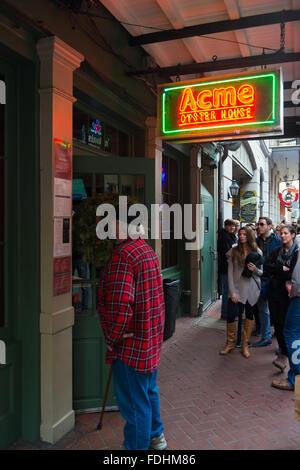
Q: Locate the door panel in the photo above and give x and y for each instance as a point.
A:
(10, 373)
(207, 252)
(131, 176)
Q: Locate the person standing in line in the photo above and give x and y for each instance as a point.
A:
(298, 235)
(237, 224)
(267, 242)
(278, 268)
(291, 332)
(225, 241)
(244, 287)
(131, 311)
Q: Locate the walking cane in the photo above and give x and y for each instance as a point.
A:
(105, 398)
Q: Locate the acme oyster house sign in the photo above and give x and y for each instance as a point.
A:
(231, 106)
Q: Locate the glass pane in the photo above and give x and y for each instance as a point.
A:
(133, 185)
(1, 286)
(111, 183)
(80, 123)
(110, 139)
(123, 144)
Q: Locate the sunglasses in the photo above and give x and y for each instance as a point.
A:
(261, 223)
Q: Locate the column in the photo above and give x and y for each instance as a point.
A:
(57, 63)
(195, 198)
(154, 149)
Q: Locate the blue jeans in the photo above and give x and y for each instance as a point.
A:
(138, 400)
(224, 305)
(292, 333)
(264, 318)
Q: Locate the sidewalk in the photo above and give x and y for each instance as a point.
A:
(208, 401)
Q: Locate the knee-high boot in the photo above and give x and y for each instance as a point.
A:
(248, 327)
(230, 339)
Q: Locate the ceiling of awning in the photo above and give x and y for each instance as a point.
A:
(142, 17)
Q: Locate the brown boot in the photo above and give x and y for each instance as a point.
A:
(248, 326)
(230, 339)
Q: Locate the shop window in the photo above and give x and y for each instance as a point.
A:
(80, 125)
(85, 276)
(170, 197)
(110, 139)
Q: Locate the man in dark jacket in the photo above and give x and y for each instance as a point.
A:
(267, 242)
(226, 240)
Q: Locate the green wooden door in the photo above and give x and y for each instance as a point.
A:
(131, 176)
(207, 252)
(10, 369)
(19, 252)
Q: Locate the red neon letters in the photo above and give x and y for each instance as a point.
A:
(220, 104)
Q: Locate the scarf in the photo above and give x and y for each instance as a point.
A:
(285, 257)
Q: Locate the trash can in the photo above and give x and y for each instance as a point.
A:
(171, 294)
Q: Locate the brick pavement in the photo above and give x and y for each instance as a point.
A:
(208, 401)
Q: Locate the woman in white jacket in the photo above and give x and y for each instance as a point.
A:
(244, 287)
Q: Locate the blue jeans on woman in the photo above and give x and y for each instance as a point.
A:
(138, 400)
(291, 334)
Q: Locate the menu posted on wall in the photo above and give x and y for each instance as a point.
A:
(61, 275)
(248, 204)
(62, 214)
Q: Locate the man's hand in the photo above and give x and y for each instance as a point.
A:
(125, 336)
(285, 268)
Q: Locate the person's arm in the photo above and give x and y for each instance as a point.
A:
(231, 287)
(118, 294)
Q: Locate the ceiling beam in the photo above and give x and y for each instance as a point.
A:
(253, 21)
(225, 64)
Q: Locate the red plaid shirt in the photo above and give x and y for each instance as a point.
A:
(131, 301)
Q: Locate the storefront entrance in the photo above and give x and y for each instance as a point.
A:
(93, 175)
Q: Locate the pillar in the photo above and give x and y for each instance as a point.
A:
(57, 63)
(195, 198)
(154, 149)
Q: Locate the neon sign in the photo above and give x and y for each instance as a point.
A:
(224, 106)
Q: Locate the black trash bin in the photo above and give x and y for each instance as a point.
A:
(171, 294)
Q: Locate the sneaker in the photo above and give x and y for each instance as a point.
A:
(158, 443)
(262, 343)
(282, 384)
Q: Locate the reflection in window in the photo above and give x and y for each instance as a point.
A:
(80, 125)
(85, 276)
(123, 144)
(95, 132)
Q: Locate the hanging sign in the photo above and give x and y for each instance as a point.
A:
(288, 196)
(228, 106)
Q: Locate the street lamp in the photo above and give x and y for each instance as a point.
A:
(234, 189)
(261, 203)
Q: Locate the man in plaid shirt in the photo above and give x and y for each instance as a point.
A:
(131, 310)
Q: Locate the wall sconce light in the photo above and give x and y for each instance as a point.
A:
(234, 189)
(261, 203)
